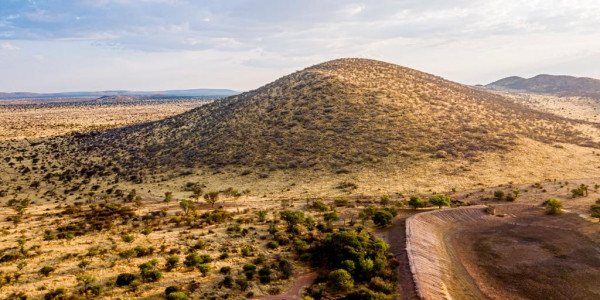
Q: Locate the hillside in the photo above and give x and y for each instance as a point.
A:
(564, 86)
(348, 125)
(339, 113)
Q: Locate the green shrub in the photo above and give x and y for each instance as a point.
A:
(499, 195)
(416, 201)
(204, 269)
(273, 245)
(383, 218)
(46, 270)
(125, 279)
(172, 262)
(440, 200)
(595, 210)
(553, 206)
(340, 280)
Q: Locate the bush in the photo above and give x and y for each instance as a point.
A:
(177, 296)
(204, 269)
(341, 201)
(416, 201)
(242, 283)
(172, 289)
(382, 218)
(273, 245)
(46, 270)
(319, 205)
(595, 210)
(340, 280)
(553, 206)
(385, 200)
(264, 275)
(440, 200)
(499, 195)
(125, 279)
(172, 262)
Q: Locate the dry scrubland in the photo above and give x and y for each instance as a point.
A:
(26, 119)
(578, 108)
(347, 132)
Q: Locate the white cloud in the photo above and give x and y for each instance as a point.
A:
(8, 46)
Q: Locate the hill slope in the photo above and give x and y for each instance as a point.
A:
(339, 113)
(375, 124)
(550, 84)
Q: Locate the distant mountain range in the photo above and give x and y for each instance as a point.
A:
(550, 84)
(169, 93)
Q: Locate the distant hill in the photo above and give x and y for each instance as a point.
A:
(171, 93)
(550, 84)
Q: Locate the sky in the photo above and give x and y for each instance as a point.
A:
(84, 45)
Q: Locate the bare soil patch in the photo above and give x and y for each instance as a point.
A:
(529, 255)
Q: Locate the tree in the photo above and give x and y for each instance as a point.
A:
(440, 200)
(197, 192)
(553, 206)
(292, 218)
(340, 280)
(382, 218)
(416, 201)
(211, 198)
(172, 262)
(186, 206)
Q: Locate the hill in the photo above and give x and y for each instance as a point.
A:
(332, 115)
(563, 86)
(341, 126)
(170, 93)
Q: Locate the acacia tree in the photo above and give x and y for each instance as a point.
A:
(197, 192)
(292, 218)
(416, 201)
(440, 200)
(186, 206)
(211, 198)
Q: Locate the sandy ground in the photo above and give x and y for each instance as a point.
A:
(525, 254)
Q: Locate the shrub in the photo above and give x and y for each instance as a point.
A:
(172, 262)
(225, 270)
(273, 245)
(227, 282)
(340, 280)
(382, 218)
(204, 269)
(440, 200)
(192, 260)
(177, 296)
(416, 201)
(46, 270)
(595, 210)
(292, 218)
(242, 283)
(499, 195)
(553, 206)
(341, 201)
(264, 275)
(125, 279)
(128, 238)
(385, 200)
(319, 205)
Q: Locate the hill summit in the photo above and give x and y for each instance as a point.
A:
(332, 115)
(551, 84)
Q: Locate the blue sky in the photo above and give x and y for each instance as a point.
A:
(59, 45)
